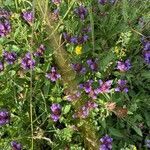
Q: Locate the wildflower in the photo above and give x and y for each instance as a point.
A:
(147, 142)
(104, 87)
(79, 68)
(67, 37)
(81, 11)
(78, 50)
(1, 66)
(40, 51)
(87, 86)
(10, 57)
(55, 14)
(122, 86)
(16, 146)
(56, 2)
(28, 16)
(5, 27)
(82, 39)
(124, 66)
(146, 50)
(53, 75)
(27, 62)
(4, 117)
(74, 40)
(56, 112)
(106, 143)
(92, 64)
(73, 97)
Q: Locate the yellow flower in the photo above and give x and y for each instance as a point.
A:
(78, 50)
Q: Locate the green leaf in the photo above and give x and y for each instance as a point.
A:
(137, 130)
(66, 109)
(116, 132)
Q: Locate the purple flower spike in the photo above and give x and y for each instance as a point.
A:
(40, 51)
(10, 57)
(104, 87)
(16, 146)
(4, 117)
(122, 86)
(87, 86)
(1, 66)
(4, 14)
(81, 11)
(92, 64)
(53, 75)
(27, 62)
(28, 16)
(79, 68)
(106, 143)
(123, 66)
(5, 27)
(56, 112)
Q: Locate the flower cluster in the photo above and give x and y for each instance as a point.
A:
(16, 146)
(104, 87)
(73, 96)
(75, 39)
(123, 66)
(146, 50)
(5, 27)
(92, 64)
(79, 68)
(106, 143)
(28, 16)
(27, 61)
(53, 75)
(9, 57)
(81, 11)
(85, 110)
(4, 117)
(122, 86)
(56, 112)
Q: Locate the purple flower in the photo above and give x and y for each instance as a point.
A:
(147, 143)
(123, 66)
(56, 2)
(92, 64)
(53, 75)
(82, 39)
(16, 146)
(79, 68)
(28, 16)
(81, 11)
(56, 112)
(104, 87)
(87, 86)
(122, 86)
(146, 50)
(27, 62)
(106, 143)
(4, 117)
(74, 40)
(40, 51)
(102, 1)
(10, 57)
(1, 66)
(67, 37)
(5, 27)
